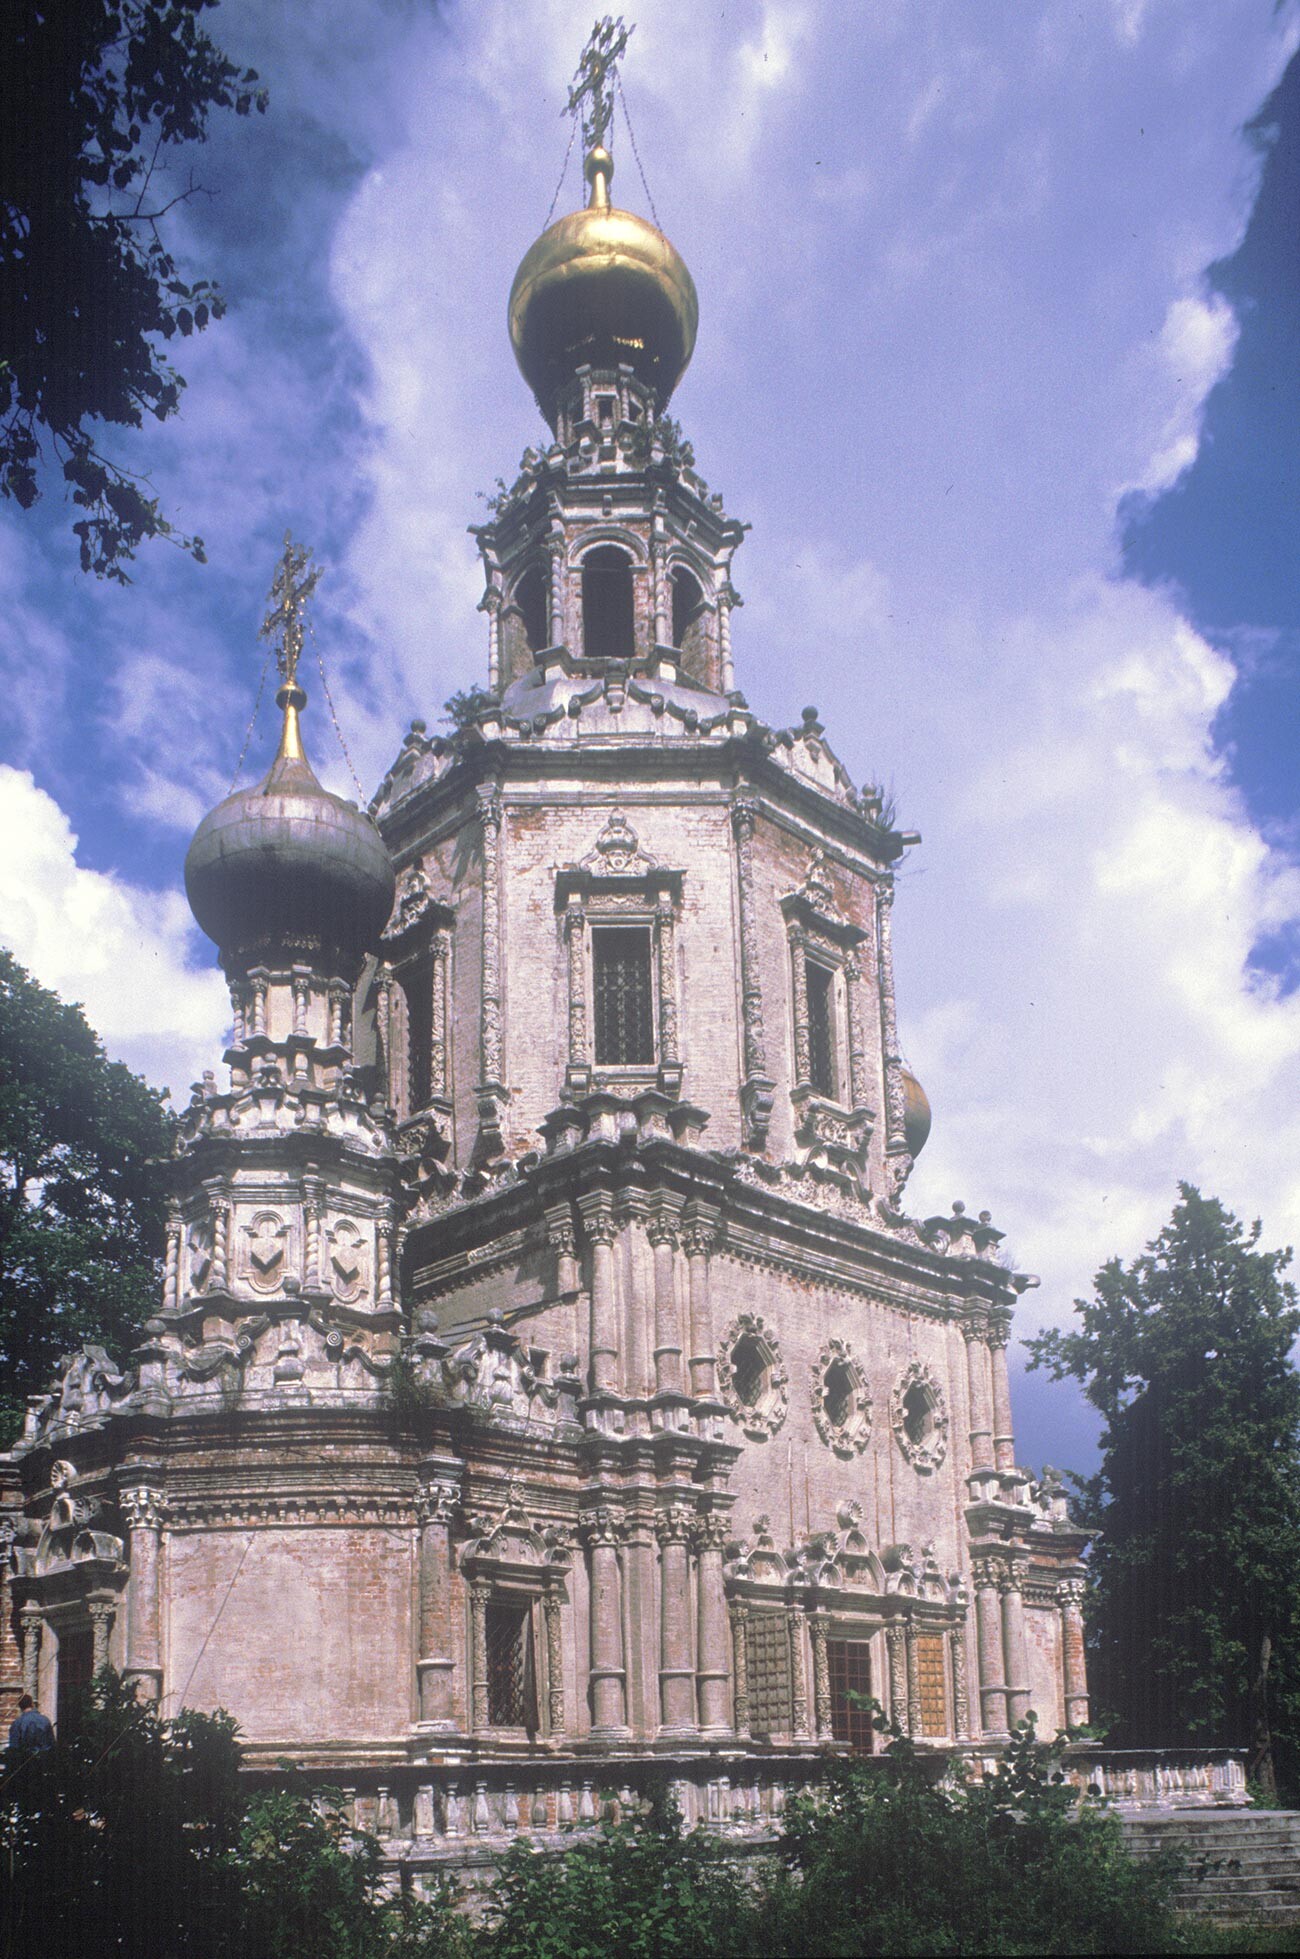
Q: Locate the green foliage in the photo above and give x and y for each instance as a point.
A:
(466, 705)
(666, 433)
(309, 1884)
(98, 91)
(81, 1207)
(890, 1858)
(120, 1839)
(1195, 1618)
(641, 1889)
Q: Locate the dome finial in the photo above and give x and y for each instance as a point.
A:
(295, 580)
(591, 93)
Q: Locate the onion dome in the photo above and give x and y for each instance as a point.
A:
(286, 873)
(916, 1114)
(602, 287)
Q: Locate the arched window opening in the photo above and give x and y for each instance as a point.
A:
(607, 613)
(688, 603)
(530, 597)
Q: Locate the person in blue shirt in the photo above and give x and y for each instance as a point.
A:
(32, 1732)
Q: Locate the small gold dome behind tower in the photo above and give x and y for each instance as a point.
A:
(602, 287)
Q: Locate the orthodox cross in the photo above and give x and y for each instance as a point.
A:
(295, 580)
(596, 76)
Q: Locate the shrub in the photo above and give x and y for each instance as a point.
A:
(889, 1858)
(641, 1889)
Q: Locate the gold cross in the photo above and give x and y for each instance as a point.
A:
(595, 78)
(295, 581)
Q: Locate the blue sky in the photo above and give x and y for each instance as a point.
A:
(998, 342)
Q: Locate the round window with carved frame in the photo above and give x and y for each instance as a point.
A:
(752, 1376)
(841, 1400)
(918, 1415)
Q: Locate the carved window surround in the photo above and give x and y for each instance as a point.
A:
(509, 1561)
(618, 883)
(837, 1127)
(413, 986)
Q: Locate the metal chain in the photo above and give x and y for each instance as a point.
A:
(573, 130)
(618, 83)
(329, 701)
(252, 719)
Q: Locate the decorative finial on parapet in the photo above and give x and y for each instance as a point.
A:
(295, 580)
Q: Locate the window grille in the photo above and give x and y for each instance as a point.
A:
(931, 1673)
(848, 1664)
(767, 1653)
(837, 1393)
(624, 996)
(821, 1031)
(748, 1370)
(417, 985)
(511, 1675)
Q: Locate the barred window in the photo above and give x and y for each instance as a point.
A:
(623, 988)
(511, 1672)
(767, 1654)
(848, 1663)
(417, 985)
(823, 1070)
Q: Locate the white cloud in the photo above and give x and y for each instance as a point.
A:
(122, 952)
(1193, 350)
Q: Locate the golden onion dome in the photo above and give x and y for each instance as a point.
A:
(602, 287)
(916, 1114)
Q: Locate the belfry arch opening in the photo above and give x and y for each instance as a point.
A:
(608, 628)
(689, 624)
(530, 597)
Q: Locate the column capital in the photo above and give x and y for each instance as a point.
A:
(600, 1527)
(662, 1225)
(435, 1502)
(143, 1507)
(674, 1523)
(598, 1220)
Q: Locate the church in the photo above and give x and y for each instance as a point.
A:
(549, 1388)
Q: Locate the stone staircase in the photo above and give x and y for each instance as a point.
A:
(1239, 1864)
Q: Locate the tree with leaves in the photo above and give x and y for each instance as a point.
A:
(81, 1201)
(1195, 1572)
(97, 93)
